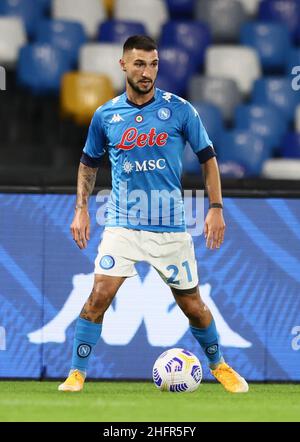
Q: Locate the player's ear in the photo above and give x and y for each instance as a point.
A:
(122, 64)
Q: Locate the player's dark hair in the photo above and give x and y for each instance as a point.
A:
(139, 42)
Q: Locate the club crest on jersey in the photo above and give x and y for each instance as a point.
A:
(132, 138)
(139, 118)
(164, 113)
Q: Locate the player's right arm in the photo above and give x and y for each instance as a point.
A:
(80, 226)
(93, 150)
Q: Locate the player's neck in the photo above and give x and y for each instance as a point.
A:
(137, 98)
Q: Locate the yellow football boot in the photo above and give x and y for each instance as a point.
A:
(230, 379)
(74, 382)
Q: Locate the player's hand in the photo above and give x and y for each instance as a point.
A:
(80, 227)
(214, 228)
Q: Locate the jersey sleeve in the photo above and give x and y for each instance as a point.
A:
(95, 143)
(195, 133)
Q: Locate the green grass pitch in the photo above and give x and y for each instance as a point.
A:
(33, 401)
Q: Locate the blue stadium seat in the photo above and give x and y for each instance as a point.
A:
(117, 31)
(40, 67)
(297, 119)
(177, 64)
(166, 83)
(292, 59)
(211, 117)
(231, 169)
(193, 36)
(290, 146)
(278, 92)
(285, 11)
(31, 11)
(298, 35)
(179, 9)
(62, 34)
(263, 120)
(271, 41)
(46, 4)
(245, 148)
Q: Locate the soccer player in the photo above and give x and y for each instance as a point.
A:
(145, 131)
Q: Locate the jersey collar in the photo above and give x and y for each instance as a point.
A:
(140, 106)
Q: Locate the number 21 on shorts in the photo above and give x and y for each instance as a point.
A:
(174, 269)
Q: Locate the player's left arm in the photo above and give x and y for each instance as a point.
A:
(214, 225)
(195, 133)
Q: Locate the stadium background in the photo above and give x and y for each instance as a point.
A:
(236, 61)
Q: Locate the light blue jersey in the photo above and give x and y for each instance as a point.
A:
(145, 146)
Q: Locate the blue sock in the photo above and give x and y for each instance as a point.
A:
(208, 338)
(86, 337)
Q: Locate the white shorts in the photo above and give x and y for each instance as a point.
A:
(170, 253)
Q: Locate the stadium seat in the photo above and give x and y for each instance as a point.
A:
(297, 35)
(244, 148)
(250, 6)
(292, 59)
(40, 67)
(231, 169)
(263, 120)
(103, 58)
(212, 120)
(90, 13)
(30, 11)
(222, 92)
(238, 63)
(278, 92)
(66, 35)
(281, 169)
(224, 17)
(166, 83)
(152, 13)
(12, 37)
(177, 63)
(46, 5)
(193, 36)
(297, 118)
(181, 9)
(285, 11)
(117, 31)
(270, 40)
(82, 93)
(290, 146)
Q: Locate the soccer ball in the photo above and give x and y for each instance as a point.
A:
(177, 370)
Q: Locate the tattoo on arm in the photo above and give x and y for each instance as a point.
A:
(85, 184)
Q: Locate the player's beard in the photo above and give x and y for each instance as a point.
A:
(135, 87)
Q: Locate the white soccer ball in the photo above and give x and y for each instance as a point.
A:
(177, 370)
